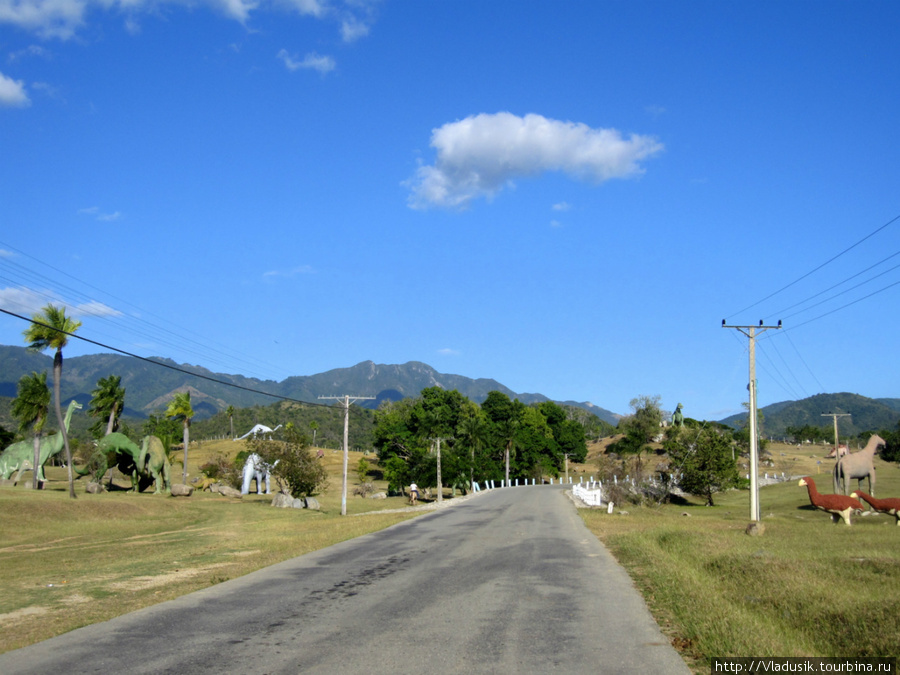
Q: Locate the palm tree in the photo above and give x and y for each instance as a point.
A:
(230, 412)
(107, 400)
(31, 407)
(509, 429)
(473, 433)
(52, 329)
(180, 408)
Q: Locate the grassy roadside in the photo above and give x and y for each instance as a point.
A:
(804, 588)
(68, 563)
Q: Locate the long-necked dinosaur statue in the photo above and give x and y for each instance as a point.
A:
(153, 460)
(20, 456)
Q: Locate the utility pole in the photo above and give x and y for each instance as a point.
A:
(750, 332)
(440, 484)
(837, 452)
(346, 401)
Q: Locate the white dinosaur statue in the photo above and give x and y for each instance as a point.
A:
(257, 430)
(255, 467)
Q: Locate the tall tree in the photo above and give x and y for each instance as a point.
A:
(107, 401)
(230, 412)
(180, 408)
(30, 408)
(51, 329)
(472, 433)
(705, 459)
(640, 428)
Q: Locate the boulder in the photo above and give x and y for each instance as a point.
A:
(755, 529)
(94, 488)
(378, 495)
(229, 491)
(182, 490)
(312, 503)
(282, 501)
(298, 504)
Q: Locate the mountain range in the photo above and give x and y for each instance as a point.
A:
(150, 384)
(865, 414)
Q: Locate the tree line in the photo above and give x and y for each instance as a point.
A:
(442, 431)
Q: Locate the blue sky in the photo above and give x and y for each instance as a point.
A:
(567, 197)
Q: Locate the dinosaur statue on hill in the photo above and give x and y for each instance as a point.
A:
(153, 460)
(115, 450)
(144, 464)
(20, 456)
(858, 465)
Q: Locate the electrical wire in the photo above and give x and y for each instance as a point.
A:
(199, 346)
(166, 365)
(816, 269)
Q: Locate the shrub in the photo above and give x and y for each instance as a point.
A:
(220, 469)
(297, 467)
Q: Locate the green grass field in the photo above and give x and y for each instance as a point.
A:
(68, 563)
(806, 587)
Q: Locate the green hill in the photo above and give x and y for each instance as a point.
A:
(866, 414)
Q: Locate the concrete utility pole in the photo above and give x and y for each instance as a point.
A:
(837, 453)
(750, 332)
(346, 401)
(440, 485)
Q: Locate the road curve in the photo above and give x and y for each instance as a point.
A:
(508, 581)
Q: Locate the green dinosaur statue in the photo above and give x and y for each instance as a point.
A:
(117, 450)
(20, 456)
(153, 459)
(143, 465)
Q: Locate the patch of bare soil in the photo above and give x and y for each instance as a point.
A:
(143, 583)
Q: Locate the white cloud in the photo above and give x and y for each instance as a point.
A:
(478, 156)
(94, 308)
(12, 93)
(311, 61)
(448, 352)
(62, 19)
(30, 51)
(352, 29)
(6, 254)
(285, 274)
(555, 223)
(561, 206)
(47, 18)
(99, 215)
(308, 7)
(28, 302)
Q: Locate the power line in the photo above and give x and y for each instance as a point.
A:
(166, 365)
(827, 262)
(840, 283)
(190, 342)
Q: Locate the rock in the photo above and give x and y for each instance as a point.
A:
(6, 482)
(378, 495)
(94, 488)
(282, 501)
(298, 504)
(229, 491)
(182, 490)
(312, 503)
(755, 529)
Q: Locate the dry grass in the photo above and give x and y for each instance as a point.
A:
(804, 588)
(68, 563)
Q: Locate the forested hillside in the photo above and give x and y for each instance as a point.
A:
(866, 414)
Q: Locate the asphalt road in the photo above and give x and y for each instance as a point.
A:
(508, 581)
